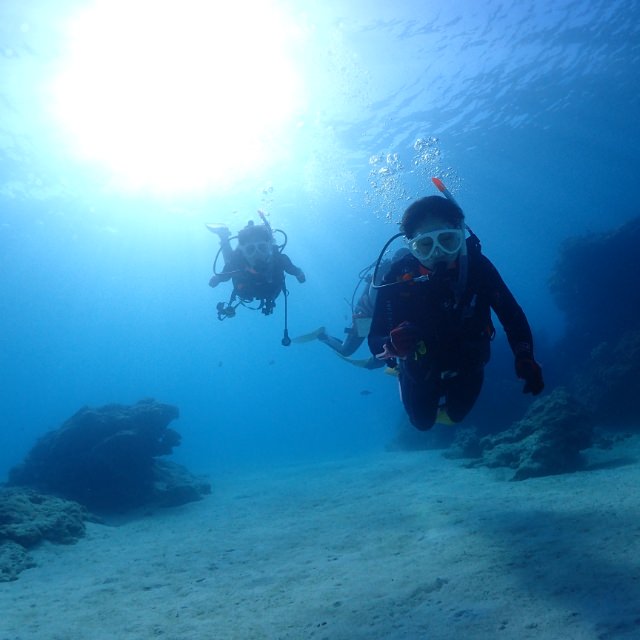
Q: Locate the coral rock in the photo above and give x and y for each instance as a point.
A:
(105, 458)
(547, 441)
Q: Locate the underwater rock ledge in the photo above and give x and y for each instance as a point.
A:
(547, 441)
(105, 458)
(27, 518)
(101, 460)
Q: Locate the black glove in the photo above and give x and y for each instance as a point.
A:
(530, 371)
(404, 339)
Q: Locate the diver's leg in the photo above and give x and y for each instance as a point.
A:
(461, 393)
(374, 363)
(223, 233)
(346, 348)
(330, 341)
(420, 399)
(351, 343)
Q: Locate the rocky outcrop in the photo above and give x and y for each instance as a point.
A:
(609, 382)
(594, 284)
(26, 519)
(597, 362)
(547, 441)
(106, 459)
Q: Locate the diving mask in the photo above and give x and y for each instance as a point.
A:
(425, 245)
(253, 250)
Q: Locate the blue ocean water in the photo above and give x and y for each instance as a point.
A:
(528, 110)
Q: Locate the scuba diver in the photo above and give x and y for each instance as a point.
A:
(256, 267)
(432, 317)
(361, 313)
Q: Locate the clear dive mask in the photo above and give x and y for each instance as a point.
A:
(257, 250)
(441, 242)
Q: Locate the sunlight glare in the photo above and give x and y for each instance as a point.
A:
(173, 96)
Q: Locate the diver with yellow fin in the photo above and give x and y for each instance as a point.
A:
(256, 267)
(432, 317)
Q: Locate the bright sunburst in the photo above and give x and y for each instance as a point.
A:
(177, 96)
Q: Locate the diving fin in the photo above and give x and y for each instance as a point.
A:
(363, 363)
(218, 228)
(309, 337)
(442, 417)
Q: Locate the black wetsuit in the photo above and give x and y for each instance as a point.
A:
(454, 332)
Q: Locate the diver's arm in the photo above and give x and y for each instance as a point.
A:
(509, 312)
(291, 268)
(518, 333)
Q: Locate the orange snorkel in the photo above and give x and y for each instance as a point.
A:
(447, 194)
(443, 190)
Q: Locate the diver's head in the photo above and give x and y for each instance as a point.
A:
(256, 244)
(434, 229)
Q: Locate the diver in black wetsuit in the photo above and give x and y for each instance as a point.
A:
(432, 317)
(257, 267)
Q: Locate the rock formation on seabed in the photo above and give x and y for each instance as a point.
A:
(547, 441)
(26, 519)
(106, 459)
(101, 460)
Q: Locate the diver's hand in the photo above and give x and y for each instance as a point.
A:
(404, 339)
(530, 371)
(388, 353)
(301, 277)
(214, 281)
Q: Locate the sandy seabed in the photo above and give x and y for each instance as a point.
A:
(396, 545)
